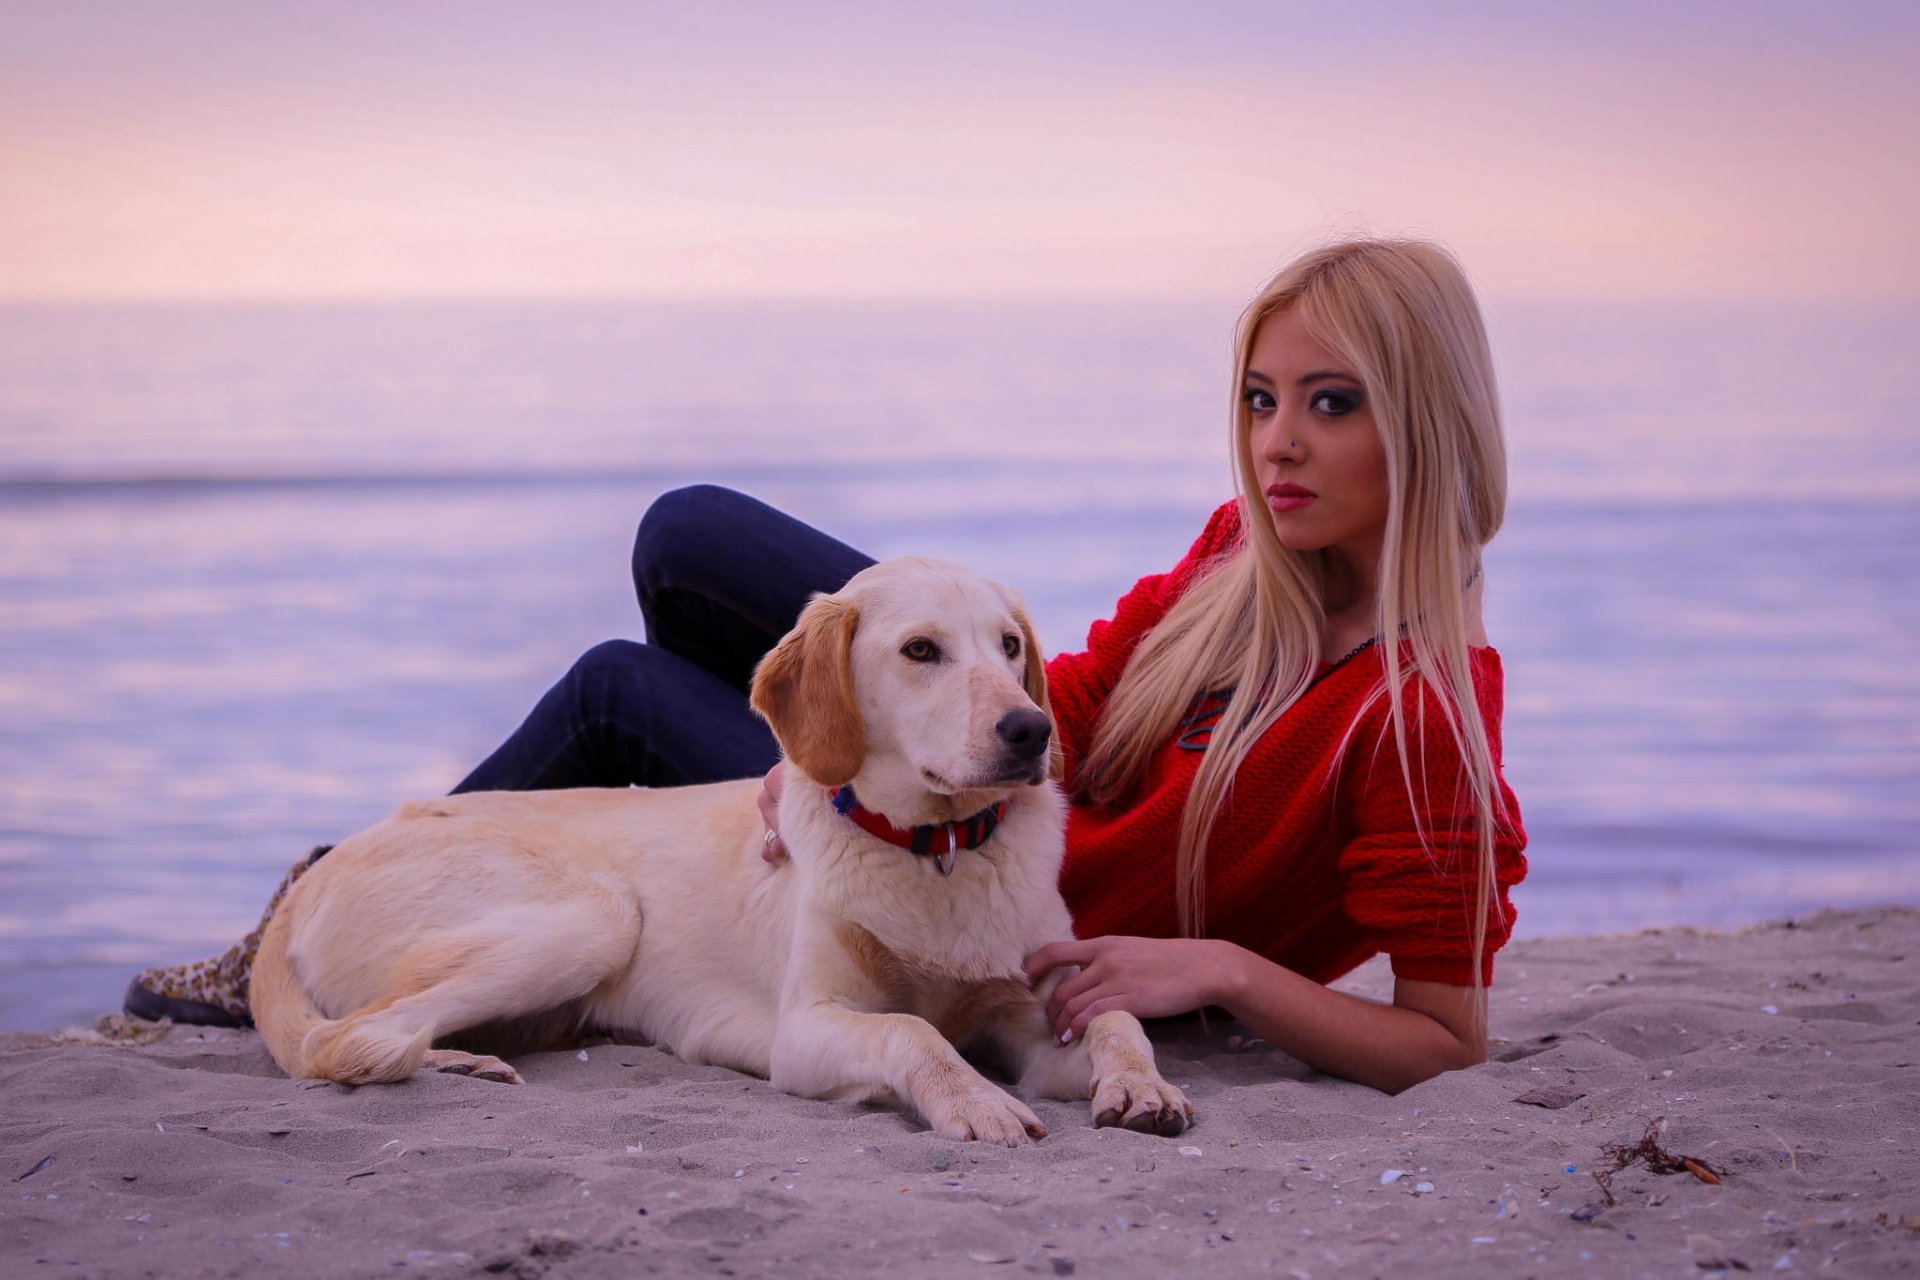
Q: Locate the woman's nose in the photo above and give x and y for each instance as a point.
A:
(1278, 442)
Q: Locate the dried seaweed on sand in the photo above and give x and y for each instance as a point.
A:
(1649, 1152)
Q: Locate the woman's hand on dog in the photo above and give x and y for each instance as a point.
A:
(1147, 977)
(771, 848)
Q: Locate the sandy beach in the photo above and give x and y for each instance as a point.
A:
(1782, 1060)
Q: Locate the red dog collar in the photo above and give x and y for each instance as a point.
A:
(937, 840)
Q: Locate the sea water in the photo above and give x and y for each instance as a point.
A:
(267, 570)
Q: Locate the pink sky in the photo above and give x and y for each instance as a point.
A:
(435, 150)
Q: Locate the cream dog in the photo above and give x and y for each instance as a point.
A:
(521, 919)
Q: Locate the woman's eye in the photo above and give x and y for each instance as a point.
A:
(1011, 643)
(919, 651)
(1334, 404)
(1259, 401)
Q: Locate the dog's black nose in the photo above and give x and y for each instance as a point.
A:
(1025, 732)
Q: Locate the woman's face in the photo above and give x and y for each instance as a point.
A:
(1316, 451)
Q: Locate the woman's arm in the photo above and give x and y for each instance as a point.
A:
(772, 849)
(1429, 1028)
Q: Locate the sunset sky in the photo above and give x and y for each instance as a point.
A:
(427, 150)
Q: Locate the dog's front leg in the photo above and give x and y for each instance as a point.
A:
(1127, 1087)
(824, 1049)
(1112, 1064)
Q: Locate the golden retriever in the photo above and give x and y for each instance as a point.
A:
(859, 970)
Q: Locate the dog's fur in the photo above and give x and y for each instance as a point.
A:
(520, 919)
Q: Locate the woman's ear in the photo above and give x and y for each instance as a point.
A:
(1036, 685)
(804, 691)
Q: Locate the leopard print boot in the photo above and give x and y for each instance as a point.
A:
(211, 992)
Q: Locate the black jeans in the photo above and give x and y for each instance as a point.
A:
(720, 577)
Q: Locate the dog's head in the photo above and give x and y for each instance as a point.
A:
(915, 669)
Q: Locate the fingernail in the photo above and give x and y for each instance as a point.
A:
(1066, 1037)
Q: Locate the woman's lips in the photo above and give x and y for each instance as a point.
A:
(1288, 497)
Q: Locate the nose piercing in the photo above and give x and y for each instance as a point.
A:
(1293, 444)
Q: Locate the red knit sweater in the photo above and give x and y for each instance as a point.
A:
(1316, 863)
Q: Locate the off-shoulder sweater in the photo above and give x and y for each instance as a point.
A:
(1318, 861)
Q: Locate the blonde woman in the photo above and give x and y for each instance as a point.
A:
(1284, 754)
(1289, 747)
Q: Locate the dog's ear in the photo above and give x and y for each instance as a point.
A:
(1036, 685)
(804, 691)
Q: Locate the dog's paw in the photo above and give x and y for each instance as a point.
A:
(988, 1114)
(1143, 1102)
(453, 1062)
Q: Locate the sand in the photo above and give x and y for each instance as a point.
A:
(1783, 1057)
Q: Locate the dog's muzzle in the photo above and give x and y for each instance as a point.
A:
(1025, 733)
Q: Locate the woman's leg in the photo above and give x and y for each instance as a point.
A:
(720, 578)
(630, 714)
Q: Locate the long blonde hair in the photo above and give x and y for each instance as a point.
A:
(1402, 316)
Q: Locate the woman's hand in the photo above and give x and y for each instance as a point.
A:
(1430, 1027)
(1147, 977)
(771, 849)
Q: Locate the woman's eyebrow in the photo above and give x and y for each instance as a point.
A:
(1305, 379)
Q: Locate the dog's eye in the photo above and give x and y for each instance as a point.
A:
(1011, 643)
(919, 651)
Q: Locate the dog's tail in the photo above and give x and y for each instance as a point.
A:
(361, 1048)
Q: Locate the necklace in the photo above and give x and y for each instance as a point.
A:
(1355, 652)
(1375, 640)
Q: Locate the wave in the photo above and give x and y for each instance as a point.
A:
(991, 482)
